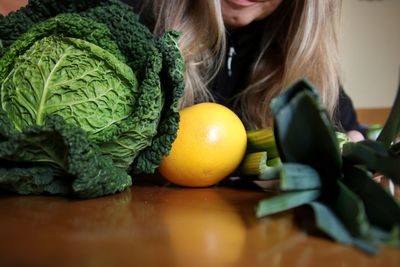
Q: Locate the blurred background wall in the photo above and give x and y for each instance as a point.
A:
(370, 53)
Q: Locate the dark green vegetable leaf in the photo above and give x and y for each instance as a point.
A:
(34, 181)
(50, 159)
(374, 198)
(373, 155)
(137, 112)
(350, 210)
(303, 131)
(391, 129)
(161, 81)
(171, 77)
(285, 201)
(327, 221)
(348, 206)
(395, 149)
(15, 24)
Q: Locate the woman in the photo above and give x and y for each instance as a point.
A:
(242, 53)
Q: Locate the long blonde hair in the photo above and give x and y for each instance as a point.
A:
(299, 41)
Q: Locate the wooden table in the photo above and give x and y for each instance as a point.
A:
(162, 225)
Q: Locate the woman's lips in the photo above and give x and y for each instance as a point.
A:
(242, 3)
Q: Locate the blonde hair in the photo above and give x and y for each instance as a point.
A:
(299, 41)
(202, 41)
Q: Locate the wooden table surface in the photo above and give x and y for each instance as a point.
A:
(162, 225)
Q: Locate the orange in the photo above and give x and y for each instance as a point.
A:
(210, 144)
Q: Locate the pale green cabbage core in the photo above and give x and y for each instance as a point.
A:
(75, 79)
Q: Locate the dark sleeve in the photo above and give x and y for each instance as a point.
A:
(345, 117)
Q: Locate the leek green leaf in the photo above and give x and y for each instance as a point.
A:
(333, 180)
(374, 156)
(298, 177)
(374, 198)
(285, 201)
(391, 129)
(327, 221)
(395, 149)
(350, 210)
(303, 131)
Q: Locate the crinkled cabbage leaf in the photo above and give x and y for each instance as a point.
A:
(88, 95)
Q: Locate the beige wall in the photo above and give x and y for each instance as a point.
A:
(370, 51)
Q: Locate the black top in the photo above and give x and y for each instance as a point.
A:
(242, 49)
(243, 46)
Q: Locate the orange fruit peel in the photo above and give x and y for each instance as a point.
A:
(210, 144)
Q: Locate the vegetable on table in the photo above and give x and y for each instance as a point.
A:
(331, 177)
(88, 97)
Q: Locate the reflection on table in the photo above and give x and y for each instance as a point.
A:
(163, 225)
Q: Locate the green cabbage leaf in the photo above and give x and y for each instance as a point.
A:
(88, 97)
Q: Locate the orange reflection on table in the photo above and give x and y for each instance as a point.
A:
(202, 227)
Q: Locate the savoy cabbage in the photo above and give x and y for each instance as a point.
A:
(87, 96)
